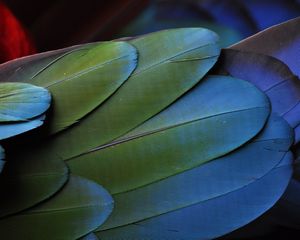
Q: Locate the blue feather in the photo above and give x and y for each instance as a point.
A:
(12, 129)
(214, 179)
(212, 218)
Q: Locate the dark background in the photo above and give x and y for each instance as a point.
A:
(60, 23)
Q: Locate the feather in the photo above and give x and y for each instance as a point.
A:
(152, 70)
(21, 102)
(210, 219)
(21, 106)
(165, 72)
(268, 74)
(27, 181)
(285, 48)
(96, 71)
(23, 69)
(78, 209)
(172, 146)
(218, 177)
(11, 129)
(173, 141)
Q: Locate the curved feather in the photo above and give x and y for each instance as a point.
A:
(11, 129)
(187, 134)
(21, 101)
(79, 208)
(218, 177)
(27, 181)
(212, 218)
(270, 75)
(25, 68)
(165, 71)
(285, 48)
(93, 72)
(20, 107)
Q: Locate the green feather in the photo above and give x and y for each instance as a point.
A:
(190, 132)
(221, 176)
(75, 211)
(165, 71)
(91, 73)
(27, 181)
(23, 69)
(94, 71)
(128, 126)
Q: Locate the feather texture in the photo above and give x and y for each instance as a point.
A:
(72, 213)
(199, 221)
(285, 48)
(21, 102)
(268, 74)
(94, 71)
(158, 81)
(218, 177)
(27, 181)
(173, 145)
(20, 107)
(173, 141)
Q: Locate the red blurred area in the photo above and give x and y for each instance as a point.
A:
(14, 41)
(62, 23)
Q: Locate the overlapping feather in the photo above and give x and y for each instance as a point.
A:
(172, 147)
(21, 109)
(286, 93)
